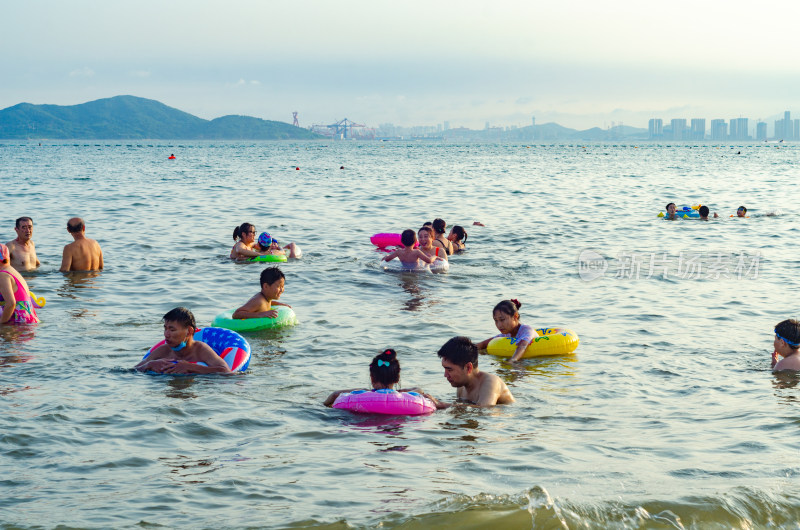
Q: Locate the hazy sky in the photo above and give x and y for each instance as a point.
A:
(577, 62)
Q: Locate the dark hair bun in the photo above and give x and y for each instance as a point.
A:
(389, 354)
(516, 302)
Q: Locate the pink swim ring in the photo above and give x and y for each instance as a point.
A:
(385, 401)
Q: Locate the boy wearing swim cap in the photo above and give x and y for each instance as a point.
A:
(270, 245)
(787, 345)
(260, 305)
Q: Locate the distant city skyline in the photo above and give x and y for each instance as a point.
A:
(580, 63)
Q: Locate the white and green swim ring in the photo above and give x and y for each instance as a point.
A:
(285, 318)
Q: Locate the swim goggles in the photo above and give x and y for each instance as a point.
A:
(787, 341)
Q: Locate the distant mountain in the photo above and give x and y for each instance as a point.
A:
(554, 131)
(129, 117)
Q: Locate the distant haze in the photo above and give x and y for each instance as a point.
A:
(579, 63)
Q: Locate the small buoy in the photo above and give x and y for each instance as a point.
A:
(297, 169)
(341, 167)
(171, 157)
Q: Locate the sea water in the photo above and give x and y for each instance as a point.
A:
(666, 416)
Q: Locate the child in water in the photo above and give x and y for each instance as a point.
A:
(269, 245)
(384, 374)
(787, 345)
(458, 237)
(260, 305)
(408, 256)
(506, 318)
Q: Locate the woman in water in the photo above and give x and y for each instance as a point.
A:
(506, 318)
(269, 245)
(425, 235)
(458, 237)
(440, 240)
(408, 256)
(384, 374)
(18, 306)
(244, 247)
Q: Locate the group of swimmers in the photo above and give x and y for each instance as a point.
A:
(704, 211)
(429, 244)
(19, 254)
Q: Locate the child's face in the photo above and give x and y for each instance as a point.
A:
(505, 323)
(273, 291)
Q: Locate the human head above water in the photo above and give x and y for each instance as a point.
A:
(180, 315)
(439, 225)
(509, 307)
(741, 211)
(461, 234)
(408, 238)
(19, 221)
(271, 275)
(75, 225)
(385, 369)
(459, 351)
(789, 332)
(673, 206)
(241, 230)
(704, 211)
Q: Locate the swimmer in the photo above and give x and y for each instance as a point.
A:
(425, 235)
(741, 212)
(460, 362)
(477, 223)
(260, 305)
(384, 373)
(458, 237)
(269, 245)
(181, 352)
(786, 345)
(23, 250)
(438, 228)
(408, 256)
(671, 211)
(83, 254)
(243, 249)
(18, 307)
(703, 211)
(506, 318)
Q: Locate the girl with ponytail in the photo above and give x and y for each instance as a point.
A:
(506, 318)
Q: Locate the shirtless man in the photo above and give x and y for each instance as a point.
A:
(180, 352)
(23, 251)
(460, 362)
(83, 254)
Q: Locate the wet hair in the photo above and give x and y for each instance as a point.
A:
(408, 237)
(439, 225)
(18, 221)
(459, 351)
(509, 307)
(789, 330)
(182, 316)
(668, 205)
(427, 223)
(271, 275)
(460, 233)
(426, 229)
(743, 209)
(704, 211)
(73, 229)
(242, 229)
(385, 375)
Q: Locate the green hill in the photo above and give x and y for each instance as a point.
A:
(129, 117)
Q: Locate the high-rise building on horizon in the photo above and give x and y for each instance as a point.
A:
(761, 131)
(719, 130)
(655, 128)
(698, 130)
(678, 128)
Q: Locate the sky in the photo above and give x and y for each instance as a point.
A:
(578, 63)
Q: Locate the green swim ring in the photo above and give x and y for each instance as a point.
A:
(285, 318)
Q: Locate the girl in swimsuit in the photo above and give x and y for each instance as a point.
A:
(18, 307)
(458, 237)
(425, 235)
(506, 318)
(444, 243)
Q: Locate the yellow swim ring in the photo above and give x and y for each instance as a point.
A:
(38, 301)
(551, 341)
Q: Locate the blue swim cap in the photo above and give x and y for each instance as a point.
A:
(264, 240)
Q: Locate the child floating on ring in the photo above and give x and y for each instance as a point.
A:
(787, 345)
(408, 256)
(506, 318)
(269, 245)
(260, 305)
(384, 374)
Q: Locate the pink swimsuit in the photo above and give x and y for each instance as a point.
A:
(24, 313)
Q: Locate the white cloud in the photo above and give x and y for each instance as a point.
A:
(82, 72)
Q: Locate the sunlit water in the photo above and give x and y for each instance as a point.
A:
(667, 416)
